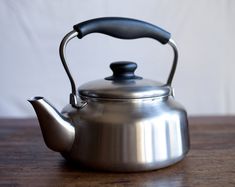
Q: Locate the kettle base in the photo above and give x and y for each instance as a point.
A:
(124, 167)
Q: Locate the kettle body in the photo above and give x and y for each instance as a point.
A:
(121, 123)
(129, 136)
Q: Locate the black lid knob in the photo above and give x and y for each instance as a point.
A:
(123, 71)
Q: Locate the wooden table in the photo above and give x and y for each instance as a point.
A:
(26, 161)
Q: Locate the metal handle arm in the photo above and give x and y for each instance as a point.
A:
(73, 96)
(74, 101)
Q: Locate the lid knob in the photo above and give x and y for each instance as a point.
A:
(123, 71)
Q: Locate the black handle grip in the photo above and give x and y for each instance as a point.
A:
(123, 28)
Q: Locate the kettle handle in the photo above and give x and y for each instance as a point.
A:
(123, 28)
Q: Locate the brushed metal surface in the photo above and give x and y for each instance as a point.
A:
(132, 89)
(57, 131)
(133, 135)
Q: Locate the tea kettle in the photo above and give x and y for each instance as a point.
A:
(123, 122)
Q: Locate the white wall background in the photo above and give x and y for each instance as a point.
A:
(31, 31)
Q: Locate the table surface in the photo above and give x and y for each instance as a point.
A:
(26, 161)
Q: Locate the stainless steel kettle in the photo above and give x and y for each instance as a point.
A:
(122, 122)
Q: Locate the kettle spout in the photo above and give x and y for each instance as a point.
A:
(58, 133)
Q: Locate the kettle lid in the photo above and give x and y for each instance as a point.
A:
(124, 84)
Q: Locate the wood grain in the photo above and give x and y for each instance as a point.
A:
(26, 161)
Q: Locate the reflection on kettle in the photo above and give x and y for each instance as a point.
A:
(122, 122)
